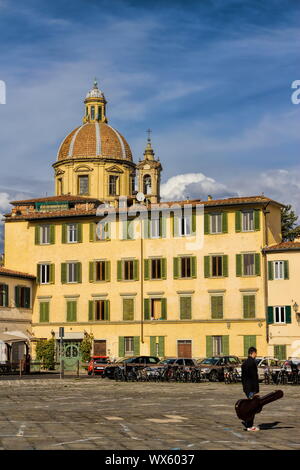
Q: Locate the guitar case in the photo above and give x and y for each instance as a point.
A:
(248, 407)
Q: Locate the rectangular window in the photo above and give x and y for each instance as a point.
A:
(280, 352)
(100, 271)
(71, 310)
(45, 234)
(156, 268)
(185, 308)
(248, 221)
(3, 295)
(45, 273)
(156, 311)
(83, 184)
(217, 266)
(128, 309)
(186, 266)
(44, 312)
(129, 345)
(185, 225)
(249, 306)
(216, 223)
(154, 228)
(100, 310)
(102, 230)
(60, 186)
(72, 231)
(71, 272)
(113, 189)
(279, 315)
(128, 270)
(249, 264)
(216, 306)
(278, 267)
(217, 345)
(22, 297)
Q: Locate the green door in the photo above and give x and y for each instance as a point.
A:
(71, 354)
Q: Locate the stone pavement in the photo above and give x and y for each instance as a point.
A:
(96, 413)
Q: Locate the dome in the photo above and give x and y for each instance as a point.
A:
(94, 139)
(94, 92)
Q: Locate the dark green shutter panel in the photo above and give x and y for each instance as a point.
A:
(185, 308)
(42, 312)
(163, 309)
(163, 268)
(119, 270)
(91, 310)
(92, 231)
(46, 311)
(79, 233)
(225, 345)
(106, 310)
(147, 309)
(52, 234)
(107, 270)
(194, 222)
(146, 269)
(280, 351)
(52, 273)
(176, 268)
(286, 270)
(17, 296)
(249, 341)
(224, 222)
(37, 234)
(225, 265)
(121, 346)
(38, 272)
(270, 270)
(256, 219)
(206, 224)
(27, 297)
(64, 233)
(136, 345)
(209, 346)
(74, 309)
(194, 266)
(136, 270)
(217, 306)
(270, 315)
(163, 223)
(91, 271)
(152, 345)
(238, 265)
(257, 264)
(78, 272)
(249, 306)
(161, 346)
(63, 273)
(206, 266)
(238, 221)
(69, 311)
(6, 297)
(288, 314)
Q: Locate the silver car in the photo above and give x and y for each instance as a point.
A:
(263, 363)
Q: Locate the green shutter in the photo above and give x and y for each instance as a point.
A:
(225, 265)
(238, 221)
(280, 351)
(194, 222)
(163, 223)
(78, 273)
(107, 270)
(286, 270)
(209, 346)
(216, 306)
(175, 268)
(52, 273)
(106, 310)
(121, 346)
(249, 341)
(225, 345)
(288, 314)
(38, 273)
(69, 311)
(79, 233)
(92, 231)
(163, 268)
(44, 312)
(194, 266)
(5, 295)
(163, 309)
(256, 219)
(136, 270)
(152, 345)
(26, 297)
(206, 224)
(147, 309)
(17, 296)
(136, 345)
(238, 265)
(249, 306)
(63, 273)
(185, 308)
(91, 310)
(91, 271)
(64, 233)
(257, 264)
(146, 269)
(37, 234)
(206, 266)
(52, 234)
(119, 270)
(270, 315)
(161, 346)
(224, 222)
(128, 305)
(270, 270)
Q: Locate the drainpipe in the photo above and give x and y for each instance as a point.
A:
(265, 267)
(142, 282)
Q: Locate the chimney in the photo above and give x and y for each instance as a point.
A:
(209, 197)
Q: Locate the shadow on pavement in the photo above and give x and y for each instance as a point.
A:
(266, 426)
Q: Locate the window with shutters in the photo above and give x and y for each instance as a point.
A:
(185, 308)
(72, 233)
(102, 230)
(156, 268)
(216, 223)
(129, 345)
(280, 352)
(128, 309)
(185, 265)
(100, 273)
(44, 312)
(279, 314)
(185, 225)
(128, 270)
(248, 221)
(278, 269)
(100, 310)
(45, 234)
(249, 306)
(216, 302)
(113, 185)
(217, 345)
(72, 272)
(45, 273)
(155, 227)
(249, 264)
(22, 296)
(83, 184)
(71, 310)
(156, 310)
(4, 295)
(217, 266)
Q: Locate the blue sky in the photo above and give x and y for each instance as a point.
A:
(211, 78)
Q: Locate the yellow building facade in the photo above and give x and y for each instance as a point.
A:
(185, 278)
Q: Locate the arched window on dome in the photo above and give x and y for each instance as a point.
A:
(92, 112)
(147, 185)
(99, 117)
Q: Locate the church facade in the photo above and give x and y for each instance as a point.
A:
(143, 276)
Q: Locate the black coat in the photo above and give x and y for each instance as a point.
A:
(250, 376)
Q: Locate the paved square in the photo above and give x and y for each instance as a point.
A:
(95, 413)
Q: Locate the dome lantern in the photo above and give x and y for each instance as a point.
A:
(95, 105)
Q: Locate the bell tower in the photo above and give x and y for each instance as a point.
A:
(149, 170)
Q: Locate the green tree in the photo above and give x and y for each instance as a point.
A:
(290, 229)
(86, 347)
(45, 352)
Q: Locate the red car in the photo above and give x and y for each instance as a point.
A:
(98, 364)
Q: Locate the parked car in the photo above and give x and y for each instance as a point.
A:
(179, 361)
(98, 364)
(140, 361)
(291, 365)
(264, 363)
(213, 367)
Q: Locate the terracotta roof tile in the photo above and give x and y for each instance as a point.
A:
(283, 246)
(11, 273)
(66, 198)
